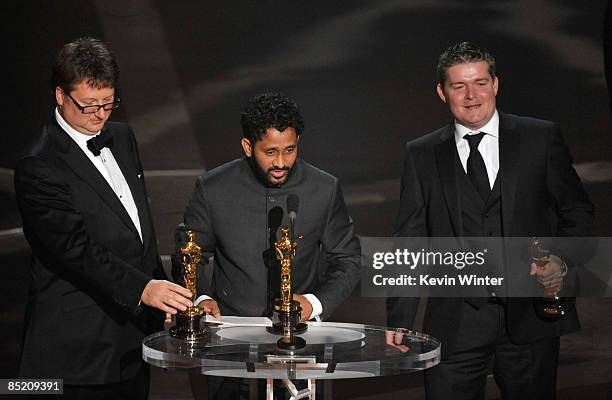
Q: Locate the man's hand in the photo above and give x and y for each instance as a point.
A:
(305, 304)
(395, 339)
(210, 307)
(549, 275)
(166, 296)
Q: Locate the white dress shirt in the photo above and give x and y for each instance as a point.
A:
(488, 146)
(106, 164)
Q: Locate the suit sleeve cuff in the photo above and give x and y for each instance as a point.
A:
(201, 299)
(317, 307)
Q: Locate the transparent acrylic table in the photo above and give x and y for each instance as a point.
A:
(333, 351)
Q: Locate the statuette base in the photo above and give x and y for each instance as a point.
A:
(189, 326)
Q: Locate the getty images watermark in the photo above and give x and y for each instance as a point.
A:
(480, 267)
(426, 258)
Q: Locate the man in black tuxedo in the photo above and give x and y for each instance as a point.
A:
(489, 174)
(97, 283)
(237, 210)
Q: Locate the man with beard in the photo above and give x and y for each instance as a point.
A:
(237, 208)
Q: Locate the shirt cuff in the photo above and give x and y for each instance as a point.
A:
(201, 299)
(317, 307)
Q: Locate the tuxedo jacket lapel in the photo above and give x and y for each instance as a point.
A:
(509, 160)
(135, 179)
(83, 167)
(446, 160)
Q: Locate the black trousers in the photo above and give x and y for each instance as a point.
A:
(522, 372)
(220, 388)
(136, 388)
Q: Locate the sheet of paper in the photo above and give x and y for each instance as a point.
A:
(232, 320)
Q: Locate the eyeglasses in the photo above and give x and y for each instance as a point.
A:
(94, 109)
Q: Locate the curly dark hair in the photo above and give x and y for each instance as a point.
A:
(461, 53)
(84, 59)
(270, 110)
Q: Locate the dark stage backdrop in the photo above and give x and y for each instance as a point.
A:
(363, 73)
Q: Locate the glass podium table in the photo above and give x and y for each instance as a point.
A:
(333, 351)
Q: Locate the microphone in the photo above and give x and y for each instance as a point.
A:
(292, 208)
(293, 203)
(275, 218)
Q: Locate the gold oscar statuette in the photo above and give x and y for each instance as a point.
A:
(286, 317)
(550, 306)
(188, 323)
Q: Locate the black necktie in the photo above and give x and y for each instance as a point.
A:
(104, 139)
(476, 170)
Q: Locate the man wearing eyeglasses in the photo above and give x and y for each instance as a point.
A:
(97, 283)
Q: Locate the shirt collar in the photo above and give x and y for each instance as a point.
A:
(80, 138)
(491, 128)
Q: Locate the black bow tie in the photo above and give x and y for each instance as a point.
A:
(104, 139)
